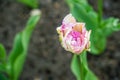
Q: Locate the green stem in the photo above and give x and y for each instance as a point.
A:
(100, 8)
(81, 67)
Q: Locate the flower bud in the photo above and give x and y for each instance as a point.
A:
(73, 35)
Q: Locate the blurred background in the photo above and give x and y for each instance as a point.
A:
(46, 59)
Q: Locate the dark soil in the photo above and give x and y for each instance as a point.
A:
(46, 59)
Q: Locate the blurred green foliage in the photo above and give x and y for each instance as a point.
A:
(79, 67)
(13, 64)
(101, 28)
(30, 3)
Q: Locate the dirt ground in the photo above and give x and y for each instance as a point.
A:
(46, 59)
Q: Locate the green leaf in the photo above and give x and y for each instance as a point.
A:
(98, 42)
(83, 57)
(100, 10)
(3, 77)
(80, 68)
(30, 3)
(84, 65)
(110, 25)
(76, 1)
(18, 65)
(29, 29)
(84, 12)
(75, 67)
(2, 68)
(90, 76)
(98, 39)
(17, 48)
(2, 53)
(18, 54)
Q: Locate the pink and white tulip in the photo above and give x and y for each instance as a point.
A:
(73, 35)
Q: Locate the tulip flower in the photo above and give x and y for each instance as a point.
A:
(73, 35)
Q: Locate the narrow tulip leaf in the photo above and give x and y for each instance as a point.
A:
(84, 12)
(98, 39)
(2, 53)
(90, 76)
(30, 3)
(83, 57)
(98, 42)
(80, 68)
(110, 25)
(100, 10)
(75, 67)
(18, 65)
(17, 48)
(84, 65)
(29, 29)
(18, 54)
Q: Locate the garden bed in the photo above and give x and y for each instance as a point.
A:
(46, 59)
